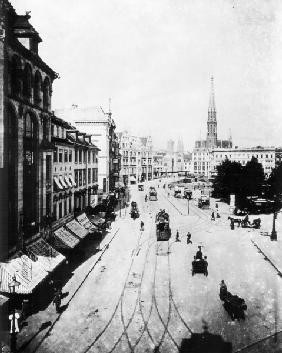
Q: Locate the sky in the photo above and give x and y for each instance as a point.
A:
(154, 59)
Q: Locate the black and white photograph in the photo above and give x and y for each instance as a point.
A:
(141, 176)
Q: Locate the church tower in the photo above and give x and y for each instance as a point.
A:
(212, 123)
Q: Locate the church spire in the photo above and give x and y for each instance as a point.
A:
(212, 100)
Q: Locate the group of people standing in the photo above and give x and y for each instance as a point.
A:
(177, 239)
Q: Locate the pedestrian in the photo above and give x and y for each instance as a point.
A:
(142, 226)
(199, 254)
(57, 300)
(216, 205)
(222, 290)
(189, 238)
(177, 236)
(232, 224)
(217, 214)
(212, 216)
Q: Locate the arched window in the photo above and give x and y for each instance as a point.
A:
(46, 94)
(37, 88)
(15, 76)
(27, 82)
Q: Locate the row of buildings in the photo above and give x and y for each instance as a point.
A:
(52, 166)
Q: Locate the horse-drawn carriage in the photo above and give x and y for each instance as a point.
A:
(163, 230)
(200, 266)
(234, 305)
(244, 222)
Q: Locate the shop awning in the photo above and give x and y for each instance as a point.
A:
(96, 220)
(58, 184)
(66, 239)
(72, 181)
(63, 182)
(46, 254)
(77, 229)
(84, 221)
(67, 180)
(29, 270)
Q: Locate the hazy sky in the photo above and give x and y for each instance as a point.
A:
(154, 58)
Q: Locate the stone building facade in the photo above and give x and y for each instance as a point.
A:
(75, 171)
(101, 126)
(25, 102)
(136, 158)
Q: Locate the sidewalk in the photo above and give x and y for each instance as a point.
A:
(35, 325)
(272, 250)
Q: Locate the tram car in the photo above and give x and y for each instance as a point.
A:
(134, 212)
(204, 201)
(153, 196)
(163, 230)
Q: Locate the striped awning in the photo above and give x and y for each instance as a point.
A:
(66, 239)
(63, 182)
(58, 184)
(77, 229)
(84, 221)
(67, 180)
(72, 181)
(30, 269)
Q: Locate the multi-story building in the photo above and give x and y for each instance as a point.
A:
(264, 155)
(158, 164)
(136, 158)
(101, 126)
(25, 118)
(75, 171)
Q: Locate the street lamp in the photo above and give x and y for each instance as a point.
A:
(273, 235)
(12, 288)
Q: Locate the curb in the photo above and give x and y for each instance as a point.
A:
(267, 258)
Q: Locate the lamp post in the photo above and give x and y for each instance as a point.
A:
(188, 203)
(12, 288)
(273, 235)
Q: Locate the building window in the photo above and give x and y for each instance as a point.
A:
(84, 176)
(76, 177)
(89, 156)
(80, 177)
(70, 204)
(55, 155)
(70, 155)
(66, 206)
(66, 156)
(80, 156)
(55, 210)
(60, 210)
(60, 156)
(84, 157)
(76, 156)
(89, 176)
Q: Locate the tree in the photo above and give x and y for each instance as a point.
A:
(275, 182)
(252, 178)
(228, 179)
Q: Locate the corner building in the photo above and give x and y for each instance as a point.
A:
(25, 102)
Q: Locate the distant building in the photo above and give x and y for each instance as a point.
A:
(180, 146)
(265, 155)
(101, 126)
(170, 146)
(136, 158)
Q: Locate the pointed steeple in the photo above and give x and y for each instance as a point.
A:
(212, 99)
(212, 123)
